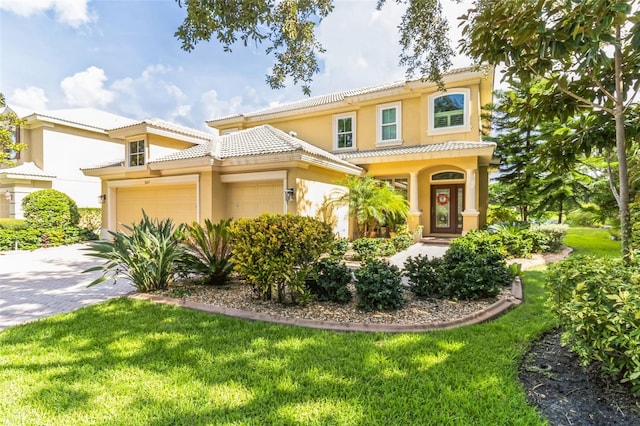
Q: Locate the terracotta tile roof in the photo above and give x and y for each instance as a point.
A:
(261, 140)
(415, 149)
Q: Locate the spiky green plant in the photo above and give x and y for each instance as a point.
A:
(208, 251)
(146, 254)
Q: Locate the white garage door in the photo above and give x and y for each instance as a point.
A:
(251, 199)
(176, 201)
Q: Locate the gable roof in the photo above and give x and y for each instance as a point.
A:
(80, 117)
(157, 123)
(333, 98)
(257, 141)
(26, 171)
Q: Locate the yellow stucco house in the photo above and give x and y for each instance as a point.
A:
(287, 159)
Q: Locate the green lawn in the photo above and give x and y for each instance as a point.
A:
(592, 241)
(128, 362)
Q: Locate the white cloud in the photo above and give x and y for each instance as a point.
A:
(86, 89)
(70, 12)
(153, 94)
(32, 97)
(214, 107)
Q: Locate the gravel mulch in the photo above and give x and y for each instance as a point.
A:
(239, 295)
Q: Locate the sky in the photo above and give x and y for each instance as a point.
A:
(121, 56)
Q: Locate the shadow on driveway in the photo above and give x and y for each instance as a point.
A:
(36, 284)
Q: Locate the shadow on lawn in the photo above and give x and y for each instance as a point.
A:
(177, 366)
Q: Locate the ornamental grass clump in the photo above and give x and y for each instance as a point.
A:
(147, 254)
(207, 251)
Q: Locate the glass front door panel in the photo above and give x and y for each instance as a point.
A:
(460, 202)
(443, 208)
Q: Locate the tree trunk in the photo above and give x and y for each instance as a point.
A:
(621, 150)
(560, 211)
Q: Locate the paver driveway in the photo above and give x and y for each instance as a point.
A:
(49, 281)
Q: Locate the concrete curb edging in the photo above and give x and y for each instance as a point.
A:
(490, 312)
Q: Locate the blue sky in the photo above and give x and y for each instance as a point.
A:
(121, 56)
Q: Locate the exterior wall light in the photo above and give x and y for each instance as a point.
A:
(102, 198)
(8, 196)
(288, 194)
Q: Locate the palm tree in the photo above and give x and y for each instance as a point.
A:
(371, 202)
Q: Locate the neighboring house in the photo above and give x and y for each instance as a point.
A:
(287, 159)
(59, 143)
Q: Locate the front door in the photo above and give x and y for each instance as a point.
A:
(447, 202)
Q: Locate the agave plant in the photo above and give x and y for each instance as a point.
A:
(208, 251)
(146, 254)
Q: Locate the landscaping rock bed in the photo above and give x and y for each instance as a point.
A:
(239, 295)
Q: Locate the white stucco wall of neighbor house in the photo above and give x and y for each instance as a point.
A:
(312, 199)
(65, 154)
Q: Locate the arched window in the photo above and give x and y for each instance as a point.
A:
(447, 176)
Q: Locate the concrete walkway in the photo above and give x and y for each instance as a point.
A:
(428, 250)
(49, 281)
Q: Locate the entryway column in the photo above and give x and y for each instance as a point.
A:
(414, 210)
(470, 215)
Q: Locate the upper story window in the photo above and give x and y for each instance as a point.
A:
(389, 124)
(344, 131)
(136, 153)
(15, 139)
(449, 112)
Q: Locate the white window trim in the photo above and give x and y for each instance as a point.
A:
(128, 157)
(466, 127)
(379, 109)
(352, 116)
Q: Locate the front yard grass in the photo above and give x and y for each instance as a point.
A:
(126, 362)
(592, 241)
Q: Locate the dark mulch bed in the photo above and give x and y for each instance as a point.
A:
(567, 394)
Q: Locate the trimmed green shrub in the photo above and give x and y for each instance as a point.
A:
(208, 251)
(474, 275)
(277, 252)
(402, 242)
(339, 248)
(20, 238)
(379, 286)
(13, 224)
(147, 254)
(478, 241)
(498, 214)
(597, 301)
(548, 237)
(49, 208)
(366, 248)
(330, 281)
(426, 276)
(90, 218)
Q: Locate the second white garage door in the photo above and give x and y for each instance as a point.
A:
(251, 199)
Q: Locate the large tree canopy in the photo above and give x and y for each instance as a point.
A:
(587, 51)
(287, 29)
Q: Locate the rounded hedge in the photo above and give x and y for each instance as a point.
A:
(49, 208)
